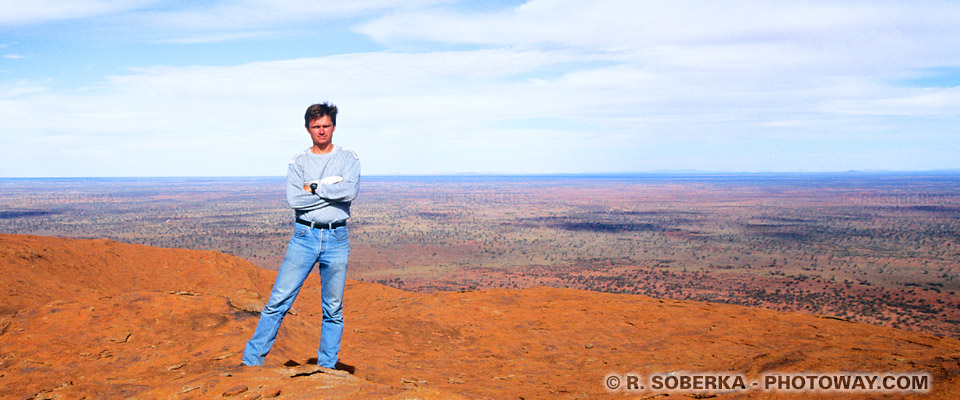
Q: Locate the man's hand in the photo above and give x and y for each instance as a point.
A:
(306, 185)
(332, 179)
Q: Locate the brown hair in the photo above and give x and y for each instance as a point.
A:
(318, 111)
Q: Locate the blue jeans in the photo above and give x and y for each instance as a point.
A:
(307, 247)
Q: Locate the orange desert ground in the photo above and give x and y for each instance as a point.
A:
(97, 319)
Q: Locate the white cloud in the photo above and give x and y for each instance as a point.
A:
(9, 92)
(17, 12)
(435, 100)
(453, 111)
(246, 14)
(218, 37)
(732, 59)
(637, 85)
(12, 56)
(839, 37)
(911, 102)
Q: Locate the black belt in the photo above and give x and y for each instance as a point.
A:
(321, 225)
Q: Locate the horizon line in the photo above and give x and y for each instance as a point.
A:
(528, 174)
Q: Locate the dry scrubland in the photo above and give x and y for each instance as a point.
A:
(878, 248)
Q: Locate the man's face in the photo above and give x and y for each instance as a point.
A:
(321, 131)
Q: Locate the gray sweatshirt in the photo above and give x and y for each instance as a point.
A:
(332, 201)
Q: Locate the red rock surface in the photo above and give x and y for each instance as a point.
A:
(99, 319)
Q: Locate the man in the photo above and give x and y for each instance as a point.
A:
(321, 183)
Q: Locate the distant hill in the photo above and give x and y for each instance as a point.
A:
(101, 319)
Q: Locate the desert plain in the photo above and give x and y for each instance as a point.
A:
(483, 286)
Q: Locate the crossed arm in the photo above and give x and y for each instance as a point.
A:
(325, 181)
(330, 189)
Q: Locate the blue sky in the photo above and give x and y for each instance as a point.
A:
(218, 88)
